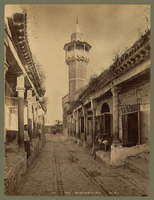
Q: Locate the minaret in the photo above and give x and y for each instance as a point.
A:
(77, 58)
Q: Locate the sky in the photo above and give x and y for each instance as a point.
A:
(109, 29)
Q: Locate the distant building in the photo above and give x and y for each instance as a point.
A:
(115, 105)
(54, 128)
(50, 129)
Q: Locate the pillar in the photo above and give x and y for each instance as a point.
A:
(71, 121)
(5, 70)
(43, 126)
(85, 123)
(93, 107)
(77, 123)
(30, 115)
(74, 124)
(20, 89)
(85, 145)
(68, 124)
(73, 127)
(115, 91)
(34, 117)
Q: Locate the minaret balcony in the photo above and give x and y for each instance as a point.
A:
(79, 55)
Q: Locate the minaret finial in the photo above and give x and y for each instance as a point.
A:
(77, 25)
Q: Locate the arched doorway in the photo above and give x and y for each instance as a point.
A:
(106, 123)
(105, 108)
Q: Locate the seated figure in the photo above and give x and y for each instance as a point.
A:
(103, 143)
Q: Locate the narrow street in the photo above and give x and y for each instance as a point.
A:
(66, 169)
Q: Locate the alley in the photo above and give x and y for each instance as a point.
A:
(66, 169)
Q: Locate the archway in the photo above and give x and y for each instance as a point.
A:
(105, 108)
(106, 123)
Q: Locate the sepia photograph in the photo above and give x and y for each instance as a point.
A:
(77, 100)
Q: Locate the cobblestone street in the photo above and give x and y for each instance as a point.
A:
(66, 169)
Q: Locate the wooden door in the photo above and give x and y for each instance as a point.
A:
(139, 128)
(131, 129)
(125, 129)
(107, 124)
(102, 124)
(82, 124)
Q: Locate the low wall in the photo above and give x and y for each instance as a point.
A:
(19, 165)
(71, 138)
(79, 142)
(85, 145)
(36, 146)
(119, 154)
(82, 136)
(104, 156)
(89, 139)
(13, 174)
(65, 131)
(74, 139)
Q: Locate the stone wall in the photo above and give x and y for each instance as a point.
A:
(119, 154)
(14, 173)
(20, 165)
(65, 131)
(74, 139)
(35, 149)
(89, 139)
(82, 136)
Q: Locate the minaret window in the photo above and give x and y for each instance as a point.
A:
(79, 47)
(70, 48)
(86, 49)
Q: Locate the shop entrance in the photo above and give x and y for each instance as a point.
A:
(131, 129)
(104, 124)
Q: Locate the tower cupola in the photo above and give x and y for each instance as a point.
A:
(77, 36)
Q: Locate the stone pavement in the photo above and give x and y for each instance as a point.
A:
(66, 169)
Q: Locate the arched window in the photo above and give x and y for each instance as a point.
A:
(105, 108)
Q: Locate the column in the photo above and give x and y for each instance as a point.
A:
(5, 70)
(43, 127)
(74, 123)
(93, 107)
(64, 121)
(77, 124)
(30, 115)
(20, 89)
(6, 66)
(72, 127)
(115, 91)
(85, 122)
(37, 120)
(34, 117)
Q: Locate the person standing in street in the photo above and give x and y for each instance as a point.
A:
(26, 140)
(39, 131)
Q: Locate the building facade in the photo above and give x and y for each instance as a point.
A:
(116, 105)
(24, 92)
